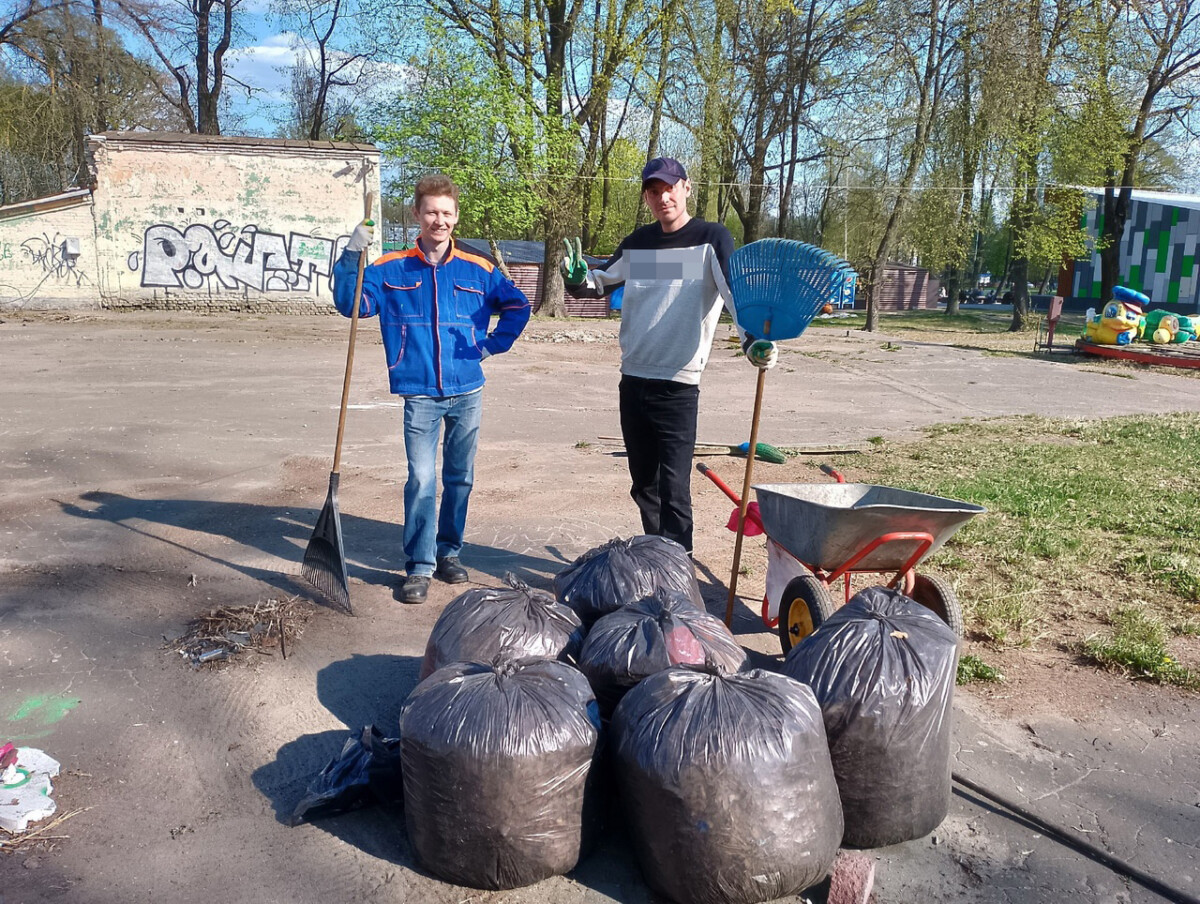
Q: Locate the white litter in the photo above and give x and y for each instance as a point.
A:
(26, 798)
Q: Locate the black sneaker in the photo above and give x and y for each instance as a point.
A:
(414, 589)
(450, 571)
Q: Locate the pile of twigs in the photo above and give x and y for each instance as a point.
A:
(223, 633)
(12, 842)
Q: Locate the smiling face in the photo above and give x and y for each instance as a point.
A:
(668, 203)
(437, 216)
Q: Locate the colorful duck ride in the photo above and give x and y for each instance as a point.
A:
(1118, 323)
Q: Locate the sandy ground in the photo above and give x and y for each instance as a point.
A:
(156, 467)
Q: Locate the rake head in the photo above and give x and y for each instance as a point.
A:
(325, 560)
(779, 286)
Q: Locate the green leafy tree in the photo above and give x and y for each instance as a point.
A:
(460, 118)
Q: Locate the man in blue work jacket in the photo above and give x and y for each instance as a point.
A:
(435, 304)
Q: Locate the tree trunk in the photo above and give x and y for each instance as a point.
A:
(552, 282)
(1116, 212)
(711, 134)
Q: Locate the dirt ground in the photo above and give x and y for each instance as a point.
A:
(158, 466)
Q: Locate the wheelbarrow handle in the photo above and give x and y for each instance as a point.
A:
(722, 485)
(834, 473)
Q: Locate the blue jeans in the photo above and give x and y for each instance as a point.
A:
(423, 419)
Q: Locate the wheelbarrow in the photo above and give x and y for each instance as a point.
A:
(818, 533)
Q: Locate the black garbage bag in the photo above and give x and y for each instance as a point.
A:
(366, 772)
(526, 623)
(621, 572)
(497, 769)
(883, 669)
(650, 635)
(727, 785)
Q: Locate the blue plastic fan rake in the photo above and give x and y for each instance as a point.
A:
(778, 287)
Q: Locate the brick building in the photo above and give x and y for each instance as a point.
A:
(190, 221)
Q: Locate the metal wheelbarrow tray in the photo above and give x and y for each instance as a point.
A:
(825, 525)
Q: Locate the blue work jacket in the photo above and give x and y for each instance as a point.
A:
(434, 319)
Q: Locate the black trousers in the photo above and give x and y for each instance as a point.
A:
(658, 423)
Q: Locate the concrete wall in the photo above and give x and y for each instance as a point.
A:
(48, 254)
(219, 223)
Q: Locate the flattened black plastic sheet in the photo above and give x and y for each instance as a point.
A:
(621, 572)
(727, 785)
(650, 635)
(525, 623)
(366, 772)
(883, 669)
(497, 760)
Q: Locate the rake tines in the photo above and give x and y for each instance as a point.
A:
(779, 285)
(325, 560)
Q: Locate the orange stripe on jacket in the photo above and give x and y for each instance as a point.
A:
(475, 259)
(396, 255)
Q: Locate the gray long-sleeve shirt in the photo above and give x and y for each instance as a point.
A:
(675, 285)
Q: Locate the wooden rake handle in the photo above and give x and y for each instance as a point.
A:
(368, 203)
(745, 500)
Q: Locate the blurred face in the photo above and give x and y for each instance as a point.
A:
(437, 216)
(668, 203)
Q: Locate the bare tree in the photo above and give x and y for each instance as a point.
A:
(191, 39)
(326, 62)
(71, 76)
(922, 44)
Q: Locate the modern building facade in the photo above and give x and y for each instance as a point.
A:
(1157, 254)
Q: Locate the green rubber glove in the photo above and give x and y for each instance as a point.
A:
(574, 267)
(762, 353)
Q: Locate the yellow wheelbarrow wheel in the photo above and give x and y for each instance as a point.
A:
(804, 607)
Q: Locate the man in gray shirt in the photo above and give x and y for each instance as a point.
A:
(675, 274)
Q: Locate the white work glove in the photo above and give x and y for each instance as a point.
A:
(762, 353)
(361, 238)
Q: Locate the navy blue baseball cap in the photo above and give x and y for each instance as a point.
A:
(665, 169)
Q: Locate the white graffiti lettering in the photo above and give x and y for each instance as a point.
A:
(206, 257)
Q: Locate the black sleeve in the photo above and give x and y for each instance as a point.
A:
(722, 242)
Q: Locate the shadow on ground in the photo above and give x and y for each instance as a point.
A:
(374, 551)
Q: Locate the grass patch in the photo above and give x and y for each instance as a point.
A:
(1137, 645)
(1074, 530)
(972, 668)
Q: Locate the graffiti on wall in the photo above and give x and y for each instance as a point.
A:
(224, 257)
(58, 257)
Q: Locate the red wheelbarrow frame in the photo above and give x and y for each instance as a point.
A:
(905, 578)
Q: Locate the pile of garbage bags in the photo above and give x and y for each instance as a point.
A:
(736, 785)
